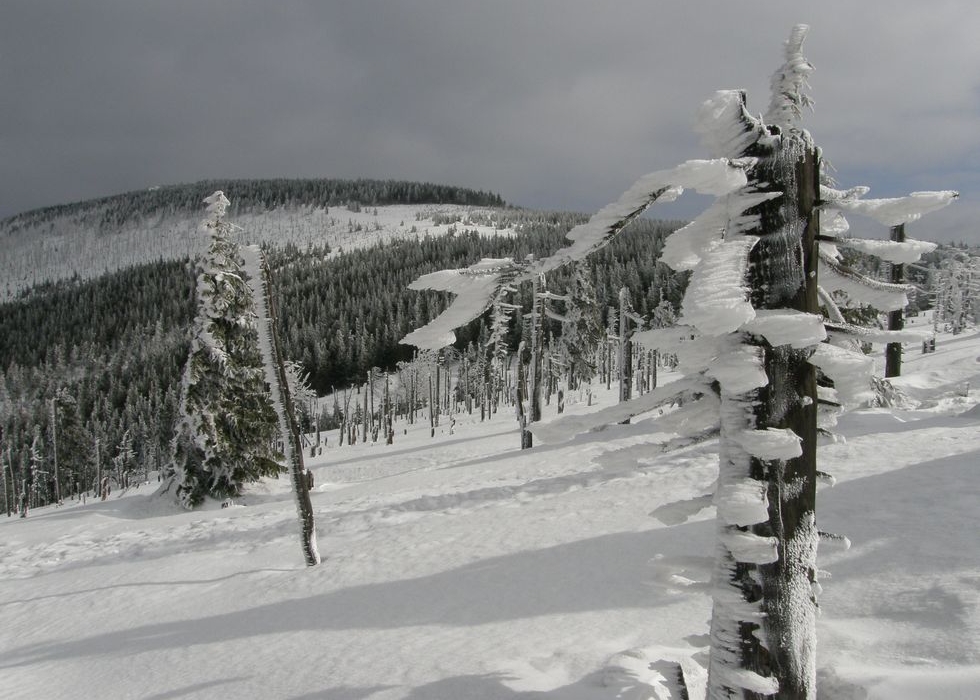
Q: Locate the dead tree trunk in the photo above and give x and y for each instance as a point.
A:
(534, 376)
(527, 439)
(288, 425)
(896, 319)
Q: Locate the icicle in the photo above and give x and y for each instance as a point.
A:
(771, 443)
(849, 370)
(787, 327)
(738, 368)
(716, 301)
(742, 502)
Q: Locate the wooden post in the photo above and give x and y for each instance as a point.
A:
(896, 319)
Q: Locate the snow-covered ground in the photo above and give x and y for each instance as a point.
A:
(461, 568)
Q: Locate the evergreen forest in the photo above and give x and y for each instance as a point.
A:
(104, 357)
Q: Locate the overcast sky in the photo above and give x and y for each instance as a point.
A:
(557, 104)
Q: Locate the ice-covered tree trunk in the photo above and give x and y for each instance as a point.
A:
(275, 377)
(762, 629)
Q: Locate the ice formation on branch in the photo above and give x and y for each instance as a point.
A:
(860, 289)
(787, 327)
(743, 502)
(890, 212)
(899, 253)
(716, 301)
(475, 287)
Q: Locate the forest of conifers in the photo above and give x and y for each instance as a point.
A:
(107, 354)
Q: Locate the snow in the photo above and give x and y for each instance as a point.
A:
(890, 212)
(905, 252)
(787, 327)
(850, 371)
(771, 443)
(716, 301)
(474, 287)
(463, 567)
(738, 368)
(751, 549)
(743, 502)
(859, 289)
(684, 249)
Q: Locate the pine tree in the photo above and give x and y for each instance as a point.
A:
(227, 426)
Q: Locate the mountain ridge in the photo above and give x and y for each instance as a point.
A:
(93, 237)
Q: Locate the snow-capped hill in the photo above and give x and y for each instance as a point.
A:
(91, 238)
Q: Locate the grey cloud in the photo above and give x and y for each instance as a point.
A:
(552, 103)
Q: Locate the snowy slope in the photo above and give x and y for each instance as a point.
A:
(64, 248)
(460, 567)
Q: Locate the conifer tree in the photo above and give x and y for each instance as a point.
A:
(227, 426)
(581, 330)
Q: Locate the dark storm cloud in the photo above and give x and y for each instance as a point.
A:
(557, 104)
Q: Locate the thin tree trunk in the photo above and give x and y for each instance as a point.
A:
(288, 425)
(896, 319)
(527, 439)
(54, 451)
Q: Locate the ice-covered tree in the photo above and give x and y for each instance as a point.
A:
(226, 429)
(581, 330)
(751, 344)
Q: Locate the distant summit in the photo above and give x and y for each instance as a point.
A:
(96, 236)
(248, 196)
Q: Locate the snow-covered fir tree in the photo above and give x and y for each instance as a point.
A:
(581, 330)
(226, 429)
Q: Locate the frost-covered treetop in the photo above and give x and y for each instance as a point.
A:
(217, 205)
(788, 83)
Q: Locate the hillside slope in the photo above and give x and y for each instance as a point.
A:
(462, 567)
(91, 238)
